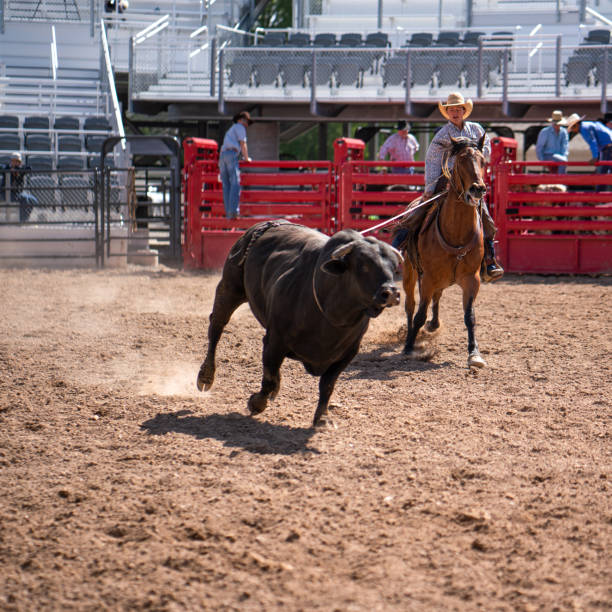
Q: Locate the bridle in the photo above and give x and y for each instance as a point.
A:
(453, 178)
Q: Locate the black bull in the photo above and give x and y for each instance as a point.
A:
(313, 294)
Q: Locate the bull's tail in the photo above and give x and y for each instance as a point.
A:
(240, 250)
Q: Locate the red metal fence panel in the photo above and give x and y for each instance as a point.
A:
(367, 196)
(553, 223)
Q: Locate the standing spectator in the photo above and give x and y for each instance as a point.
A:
(400, 146)
(16, 173)
(553, 142)
(597, 136)
(234, 145)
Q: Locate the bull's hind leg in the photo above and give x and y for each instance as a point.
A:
(273, 356)
(229, 295)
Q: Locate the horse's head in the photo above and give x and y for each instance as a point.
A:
(467, 178)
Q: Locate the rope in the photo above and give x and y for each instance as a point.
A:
(402, 214)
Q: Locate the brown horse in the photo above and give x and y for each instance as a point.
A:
(450, 247)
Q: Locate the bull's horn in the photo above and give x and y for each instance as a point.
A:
(343, 250)
(398, 253)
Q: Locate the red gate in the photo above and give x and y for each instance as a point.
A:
(298, 191)
(556, 232)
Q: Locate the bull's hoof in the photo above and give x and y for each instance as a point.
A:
(257, 403)
(325, 422)
(475, 360)
(206, 376)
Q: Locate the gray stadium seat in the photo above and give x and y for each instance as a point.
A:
(598, 37)
(40, 162)
(66, 123)
(324, 39)
(239, 72)
(348, 72)
(273, 39)
(293, 71)
(94, 143)
(449, 71)
(76, 192)
(420, 39)
(31, 124)
(350, 39)
(37, 142)
(96, 123)
(69, 162)
(394, 71)
(9, 142)
(265, 71)
(577, 70)
(69, 142)
(447, 39)
(471, 39)
(299, 39)
(9, 121)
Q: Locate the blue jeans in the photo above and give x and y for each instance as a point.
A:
(230, 177)
(26, 203)
(604, 155)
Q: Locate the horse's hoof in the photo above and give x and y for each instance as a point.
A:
(257, 403)
(325, 422)
(205, 380)
(476, 361)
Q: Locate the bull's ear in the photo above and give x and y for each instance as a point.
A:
(336, 264)
(481, 142)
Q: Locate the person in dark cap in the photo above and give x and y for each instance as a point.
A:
(400, 146)
(234, 145)
(15, 172)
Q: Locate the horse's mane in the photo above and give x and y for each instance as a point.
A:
(461, 143)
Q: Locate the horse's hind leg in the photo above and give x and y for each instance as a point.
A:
(420, 317)
(470, 290)
(409, 282)
(434, 323)
(228, 296)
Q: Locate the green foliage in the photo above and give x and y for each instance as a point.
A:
(276, 14)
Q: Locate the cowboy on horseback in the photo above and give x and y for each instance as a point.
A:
(456, 110)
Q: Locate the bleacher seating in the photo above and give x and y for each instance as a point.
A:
(96, 123)
(36, 124)
(9, 142)
(68, 142)
(40, 162)
(66, 123)
(37, 142)
(69, 162)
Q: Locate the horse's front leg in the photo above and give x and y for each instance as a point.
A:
(409, 282)
(471, 286)
(425, 293)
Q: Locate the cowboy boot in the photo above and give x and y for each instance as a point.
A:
(491, 269)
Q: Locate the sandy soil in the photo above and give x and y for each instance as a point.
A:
(123, 488)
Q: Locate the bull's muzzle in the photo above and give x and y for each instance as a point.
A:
(387, 295)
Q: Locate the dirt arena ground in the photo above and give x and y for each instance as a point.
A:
(123, 488)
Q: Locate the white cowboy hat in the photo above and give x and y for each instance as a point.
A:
(456, 99)
(558, 118)
(16, 155)
(573, 119)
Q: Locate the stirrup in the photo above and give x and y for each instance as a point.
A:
(492, 272)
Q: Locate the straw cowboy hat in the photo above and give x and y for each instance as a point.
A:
(557, 117)
(456, 99)
(573, 120)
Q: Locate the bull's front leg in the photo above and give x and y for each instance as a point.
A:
(273, 356)
(327, 383)
(226, 302)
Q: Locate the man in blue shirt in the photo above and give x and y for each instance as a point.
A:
(234, 145)
(553, 142)
(597, 136)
